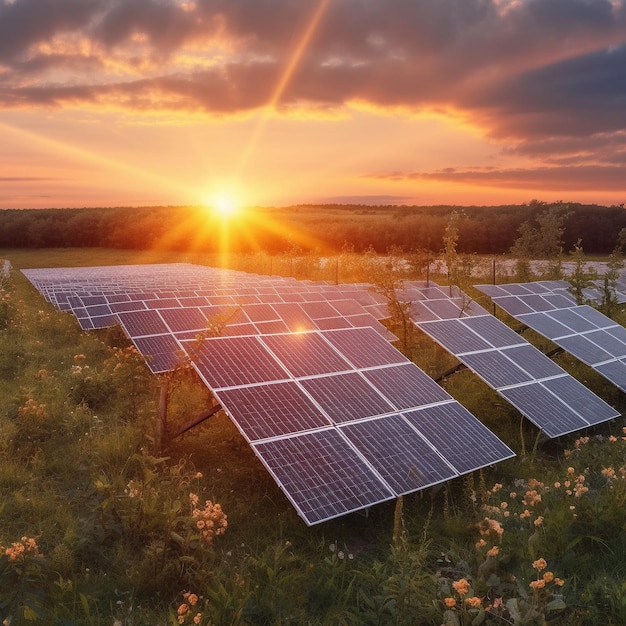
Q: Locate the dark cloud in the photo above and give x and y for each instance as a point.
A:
(547, 78)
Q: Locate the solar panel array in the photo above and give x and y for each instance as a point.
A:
(158, 305)
(548, 308)
(341, 419)
(541, 390)
(338, 416)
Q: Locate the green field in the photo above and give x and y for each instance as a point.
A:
(97, 524)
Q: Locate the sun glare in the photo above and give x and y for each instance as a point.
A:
(225, 205)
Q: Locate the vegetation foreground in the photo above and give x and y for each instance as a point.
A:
(99, 526)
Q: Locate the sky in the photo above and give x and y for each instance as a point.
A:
(282, 102)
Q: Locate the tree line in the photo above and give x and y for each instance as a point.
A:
(319, 228)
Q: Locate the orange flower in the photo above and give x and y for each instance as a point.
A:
(461, 587)
(538, 584)
(540, 564)
(493, 551)
(548, 577)
(474, 602)
(449, 602)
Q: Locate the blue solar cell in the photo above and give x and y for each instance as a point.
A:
(608, 342)
(142, 323)
(614, 371)
(545, 325)
(593, 409)
(572, 320)
(583, 349)
(271, 410)
(346, 397)
(364, 347)
(544, 409)
(322, 475)
(499, 335)
(406, 386)
(398, 453)
(460, 438)
(162, 352)
(531, 360)
(181, 320)
(306, 354)
(495, 368)
(236, 361)
(455, 336)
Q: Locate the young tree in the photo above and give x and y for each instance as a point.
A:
(608, 284)
(541, 240)
(583, 276)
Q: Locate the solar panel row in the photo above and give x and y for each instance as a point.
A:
(580, 330)
(351, 399)
(339, 417)
(540, 389)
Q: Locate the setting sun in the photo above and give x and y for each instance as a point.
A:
(225, 205)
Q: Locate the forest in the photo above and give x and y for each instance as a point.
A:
(306, 228)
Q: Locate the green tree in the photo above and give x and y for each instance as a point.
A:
(583, 277)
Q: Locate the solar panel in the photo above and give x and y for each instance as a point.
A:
(271, 410)
(455, 336)
(544, 409)
(306, 354)
(531, 360)
(346, 397)
(593, 409)
(572, 320)
(398, 453)
(615, 372)
(463, 440)
(236, 361)
(322, 474)
(496, 369)
(494, 331)
(364, 347)
(142, 323)
(319, 408)
(545, 325)
(584, 350)
(406, 386)
(161, 352)
(509, 364)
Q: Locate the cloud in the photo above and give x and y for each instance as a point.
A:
(539, 76)
(556, 178)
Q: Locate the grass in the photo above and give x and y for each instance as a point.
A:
(116, 536)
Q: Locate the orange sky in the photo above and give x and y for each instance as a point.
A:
(279, 102)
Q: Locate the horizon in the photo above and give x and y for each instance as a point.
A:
(394, 103)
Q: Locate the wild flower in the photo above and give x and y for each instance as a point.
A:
(26, 545)
(474, 602)
(540, 564)
(210, 520)
(461, 586)
(493, 551)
